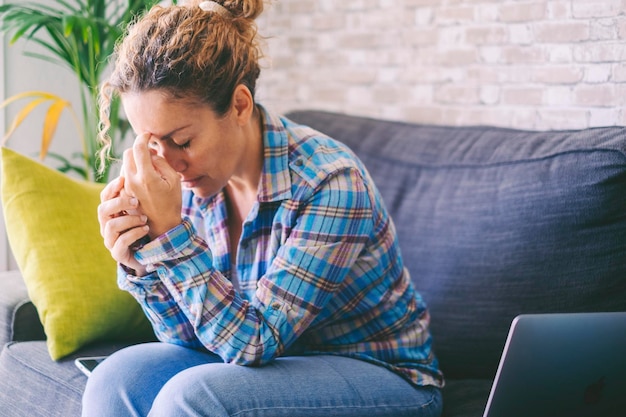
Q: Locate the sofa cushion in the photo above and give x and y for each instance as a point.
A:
(31, 385)
(465, 397)
(18, 316)
(53, 230)
(497, 222)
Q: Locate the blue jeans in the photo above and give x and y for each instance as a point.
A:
(158, 379)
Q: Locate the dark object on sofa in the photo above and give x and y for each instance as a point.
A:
(492, 222)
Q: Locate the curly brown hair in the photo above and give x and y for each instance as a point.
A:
(188, 53)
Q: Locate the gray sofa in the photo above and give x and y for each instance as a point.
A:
(492, 222)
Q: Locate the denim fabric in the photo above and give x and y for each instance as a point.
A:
(174, 381)
(497, 222)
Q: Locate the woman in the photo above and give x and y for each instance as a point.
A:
(272, 271)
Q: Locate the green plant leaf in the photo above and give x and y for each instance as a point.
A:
(67, 165)
(68, 6)
(68, 25)
(79, 35)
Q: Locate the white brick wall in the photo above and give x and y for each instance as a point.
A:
(535, 64)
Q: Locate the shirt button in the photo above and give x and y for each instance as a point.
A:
(298, 162)
(276, 306)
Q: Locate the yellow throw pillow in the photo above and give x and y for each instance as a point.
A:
(53, 230)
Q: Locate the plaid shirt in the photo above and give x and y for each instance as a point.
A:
(318, 263)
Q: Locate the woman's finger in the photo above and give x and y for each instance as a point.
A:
(129, 168)
(118, 227)
(121, 252)
(112, 189)
(167, 173)
(120, 206)
(142, 157)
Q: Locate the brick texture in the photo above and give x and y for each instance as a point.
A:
(534, 64)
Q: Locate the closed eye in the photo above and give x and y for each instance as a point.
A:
(172, 142)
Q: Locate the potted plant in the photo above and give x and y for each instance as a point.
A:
(79, 35)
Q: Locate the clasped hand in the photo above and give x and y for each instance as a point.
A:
(144, 200)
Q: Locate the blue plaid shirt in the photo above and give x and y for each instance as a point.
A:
(318, 263)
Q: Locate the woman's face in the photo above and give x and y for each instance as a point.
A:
(205, 150)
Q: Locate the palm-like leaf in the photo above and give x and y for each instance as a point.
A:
(23, 114)
(80, 35)
(51, 121)
(50, 124)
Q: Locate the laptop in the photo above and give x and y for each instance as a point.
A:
(570, 365)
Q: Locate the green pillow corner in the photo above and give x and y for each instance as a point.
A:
(53, 231)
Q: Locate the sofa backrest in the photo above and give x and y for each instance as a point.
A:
(497, 222)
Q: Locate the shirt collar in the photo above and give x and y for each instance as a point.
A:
(275, 182)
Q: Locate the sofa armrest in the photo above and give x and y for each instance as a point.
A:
(18, 316)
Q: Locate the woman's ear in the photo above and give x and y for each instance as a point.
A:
(243, 104)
